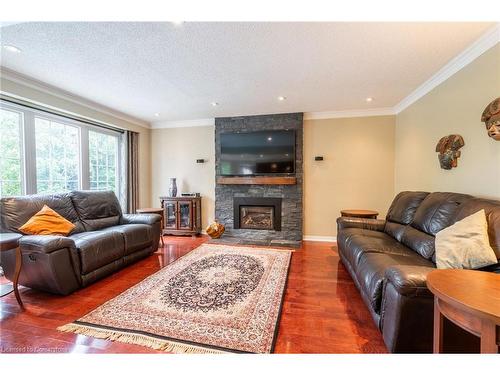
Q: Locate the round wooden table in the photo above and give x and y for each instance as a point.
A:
(364, 214)
(158, 211)
(9, 241)
(471, 300)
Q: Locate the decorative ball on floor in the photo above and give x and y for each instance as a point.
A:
(215, 230)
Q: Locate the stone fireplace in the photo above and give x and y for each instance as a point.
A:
(260, 213)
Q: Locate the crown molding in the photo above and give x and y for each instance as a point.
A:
(183, 123)
(19, 78)
(349, 113)
(476, 49)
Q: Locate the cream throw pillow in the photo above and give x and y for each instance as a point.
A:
(465, 244)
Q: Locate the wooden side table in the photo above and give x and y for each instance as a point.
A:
(158, 211)
(471, 300)
(9, 241)
(364, 214)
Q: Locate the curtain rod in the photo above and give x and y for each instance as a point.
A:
(38, 107)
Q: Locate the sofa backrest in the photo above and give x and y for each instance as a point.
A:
(96, 209)
(402, 211)
(15, 211)
(436, 212)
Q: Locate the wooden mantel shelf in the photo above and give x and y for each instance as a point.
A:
(257, 180)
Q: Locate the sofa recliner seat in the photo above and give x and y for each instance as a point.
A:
(104, 240)
(390, 259)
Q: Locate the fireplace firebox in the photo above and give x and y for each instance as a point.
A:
(257, 213)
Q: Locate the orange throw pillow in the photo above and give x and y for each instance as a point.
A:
(47, 221)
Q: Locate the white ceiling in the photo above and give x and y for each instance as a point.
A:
(145, 68)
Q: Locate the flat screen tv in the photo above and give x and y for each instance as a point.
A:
(257, 153)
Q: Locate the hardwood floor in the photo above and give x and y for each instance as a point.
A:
(322, 311)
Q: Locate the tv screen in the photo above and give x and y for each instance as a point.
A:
(258, 153)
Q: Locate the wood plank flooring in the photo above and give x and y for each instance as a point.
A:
(322, 311)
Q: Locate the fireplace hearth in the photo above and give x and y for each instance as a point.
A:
(257, 213)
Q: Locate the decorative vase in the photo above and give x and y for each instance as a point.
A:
(172, 190)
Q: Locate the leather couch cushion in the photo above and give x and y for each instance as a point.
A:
(395, 230)
(371, 269)
(136, 236)
(344, 235)
(97, 209)
(404, 206)
(422, 243)
(402, 211)
(45, 243)
(409, 280)
(15, 211)
(98, 248)
(358, 243)
(436, 212)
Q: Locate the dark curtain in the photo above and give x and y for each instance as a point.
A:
(131, 193)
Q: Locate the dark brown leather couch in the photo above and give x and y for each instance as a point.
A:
(103, 241)
(390, 259)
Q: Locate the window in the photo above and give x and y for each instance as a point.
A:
(46, 153)
(57, 156)
(11, 155)
(103, 156)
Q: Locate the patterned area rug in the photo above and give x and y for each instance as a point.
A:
(217, 298)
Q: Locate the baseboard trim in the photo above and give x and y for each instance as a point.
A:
(309, 238)
(320, 238)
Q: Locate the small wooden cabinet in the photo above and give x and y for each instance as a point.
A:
(181, 215)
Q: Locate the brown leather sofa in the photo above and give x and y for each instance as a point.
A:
(103, 241)
(390, 259)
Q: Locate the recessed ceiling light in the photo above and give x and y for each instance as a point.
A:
(11, 48)
(157, 114)
(281, 98)
(269, 139)
(369, 99)
(177, 23)
(214, 104)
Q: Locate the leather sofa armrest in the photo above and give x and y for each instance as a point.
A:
(140, 219)
(45, 243)
(354, 222)
(409, 280)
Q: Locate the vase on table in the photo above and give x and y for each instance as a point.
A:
(172, 190)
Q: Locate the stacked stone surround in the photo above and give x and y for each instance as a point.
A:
(291, 225)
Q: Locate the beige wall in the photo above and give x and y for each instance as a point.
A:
(366, 160)
(174, 153)
(454, 107)
(357, 170)
(14, 88)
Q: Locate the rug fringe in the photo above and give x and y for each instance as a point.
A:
(137, 338)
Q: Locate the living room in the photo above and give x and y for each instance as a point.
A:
(324, 187)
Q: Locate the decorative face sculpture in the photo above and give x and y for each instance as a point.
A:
(448, 148)
(491, 118)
